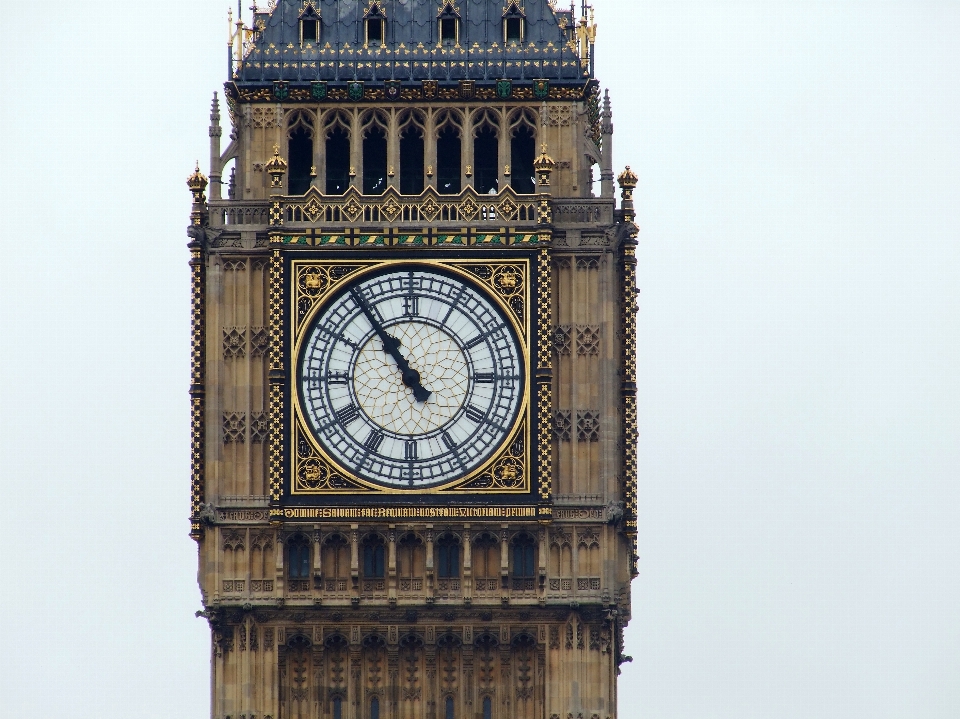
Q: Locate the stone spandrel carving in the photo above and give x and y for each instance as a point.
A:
(588, 340)
(234, 427)
(562, 425)
(562, 340)
(259, 341)
(259, 427)
(234, 342)
(588, 425)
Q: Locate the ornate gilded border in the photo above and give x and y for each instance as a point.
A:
(544, 378)
(276, 377)
(197, 390)
(629, 374)
(313, 472)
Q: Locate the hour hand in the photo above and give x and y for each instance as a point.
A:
(391, 345)
(411, 378)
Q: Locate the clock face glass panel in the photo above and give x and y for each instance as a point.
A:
(411, 377)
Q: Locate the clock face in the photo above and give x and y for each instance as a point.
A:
(411, 377)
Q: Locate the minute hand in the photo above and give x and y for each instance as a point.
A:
(391, 345)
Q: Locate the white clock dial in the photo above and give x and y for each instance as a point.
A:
(411, 377)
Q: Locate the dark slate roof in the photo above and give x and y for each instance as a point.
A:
(410, 51)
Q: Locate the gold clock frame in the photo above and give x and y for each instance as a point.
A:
(314, 282)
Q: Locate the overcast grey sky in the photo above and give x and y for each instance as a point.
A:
(799, 171)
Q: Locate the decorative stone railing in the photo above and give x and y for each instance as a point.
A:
(430, 208)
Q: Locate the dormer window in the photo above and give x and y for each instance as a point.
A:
(448, 24)
(514, 23)
(374, 24)
(374, 32)
(448, 30)
(309, 24)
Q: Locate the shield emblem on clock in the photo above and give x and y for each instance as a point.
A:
(318, 90)
(504, 89)
(541, 89)
(392, 89)
(355, 91)
(281, 90)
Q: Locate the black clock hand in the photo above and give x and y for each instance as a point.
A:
(391, 345)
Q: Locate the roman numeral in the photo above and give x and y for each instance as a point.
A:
(374, 440)
(337, 378)
(347, 414)
(475, 341)
(448, 440)
(411, 305)
(410, 450)
(484, 377)
(474, 414)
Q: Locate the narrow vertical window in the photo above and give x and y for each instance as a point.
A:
(373, 558)
(309, 24)
(487, 163)
(375, 708)
(448, 30)
(374, 31)
(338, 161)
(448, 161)
(448, 24)
(301, 160)
(513, 24)
(487, 708)
(448, 712)
(411, 160)
(514, 29)
(523, 557)
(337, 708)
(298, 557)
(448, 554)
(523, 178)
(375, 162)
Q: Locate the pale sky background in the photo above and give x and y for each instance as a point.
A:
(799, 172)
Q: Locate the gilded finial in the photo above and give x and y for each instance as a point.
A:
(628, 179)
(197, 182)
(544, 163)
(276, 168)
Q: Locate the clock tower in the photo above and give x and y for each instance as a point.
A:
(414, 418)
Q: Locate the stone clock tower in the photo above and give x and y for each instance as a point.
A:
(414, 416)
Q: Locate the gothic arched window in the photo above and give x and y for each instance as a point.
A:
(337, 154)
(375, 708)
(523, 151)
(411, 154)
(448, 557)
(373, 557)
(448, 155)
(298, 557)
(486, 562)
(524, 557)
(448, 710)
(336, 563)
(410, 562)
(487, 708)
(375, 156)
(300, 154)
(486, 147)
